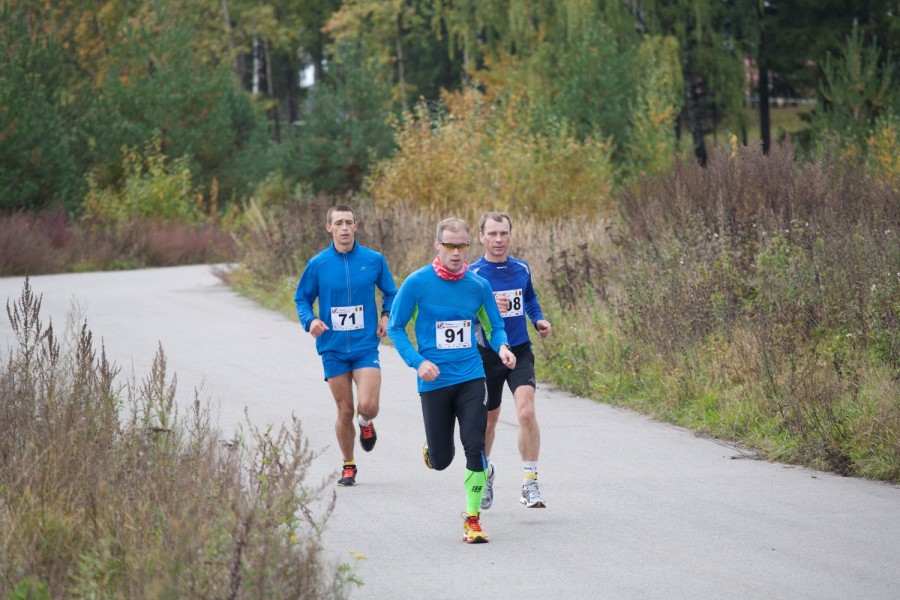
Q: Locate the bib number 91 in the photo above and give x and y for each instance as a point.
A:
(450, 335)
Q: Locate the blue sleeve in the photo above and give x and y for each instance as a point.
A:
(404, 308)
(532, 308)
(387, 286)
(497, 332)
(307, 291)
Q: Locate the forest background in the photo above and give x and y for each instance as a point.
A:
(708, 193)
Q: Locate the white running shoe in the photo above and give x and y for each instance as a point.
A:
(531, 496)
(487, 499)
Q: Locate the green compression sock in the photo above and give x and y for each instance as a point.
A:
(475, 481)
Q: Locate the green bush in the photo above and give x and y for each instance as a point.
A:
(153, 188)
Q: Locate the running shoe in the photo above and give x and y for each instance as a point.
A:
(487, 500)
(426, 457)
(472, 532)
(367, 437)
(531, 496)
(348, 476)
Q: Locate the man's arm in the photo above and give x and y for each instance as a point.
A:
(401, 312)
(388, 289)
(306, 294)
(387, 286)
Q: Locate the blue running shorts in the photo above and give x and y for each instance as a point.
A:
(338, 363)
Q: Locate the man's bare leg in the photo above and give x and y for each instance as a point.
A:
(491, 431)
(368, 391)
(342, 391)
(529, 432)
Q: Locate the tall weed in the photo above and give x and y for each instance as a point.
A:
(106, 491)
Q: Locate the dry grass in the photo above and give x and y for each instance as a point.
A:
(108, 492)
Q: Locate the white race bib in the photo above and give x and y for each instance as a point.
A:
(450, 335)
(515, 303)
(347, 318)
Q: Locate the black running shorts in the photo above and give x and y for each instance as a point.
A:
(497, 373)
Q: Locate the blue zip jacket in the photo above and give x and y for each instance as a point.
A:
(445, 313)
(344, 284)
(512, 276)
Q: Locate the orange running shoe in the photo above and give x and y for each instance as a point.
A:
(348, 476)
(472, 532)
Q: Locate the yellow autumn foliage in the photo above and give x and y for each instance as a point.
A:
(475, 156)
(883, 158)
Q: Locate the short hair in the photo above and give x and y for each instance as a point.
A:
(453, 224)
(339, 208)
(495, 215)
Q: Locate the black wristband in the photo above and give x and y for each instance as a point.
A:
(385, 313)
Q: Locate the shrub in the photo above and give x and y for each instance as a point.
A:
(782, 266)
(152, 189)
(36, 243)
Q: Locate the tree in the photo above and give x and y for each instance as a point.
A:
(411, 59)
(857, 89)
(346, 127)
(712, 64)
(158, 85)
(39, 120)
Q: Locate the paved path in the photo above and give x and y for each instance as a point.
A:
(636, 508)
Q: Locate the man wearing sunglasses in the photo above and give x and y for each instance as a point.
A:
(347, 327)
(445, 300)
(510, 278)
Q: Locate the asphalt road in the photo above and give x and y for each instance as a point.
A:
(636, 508)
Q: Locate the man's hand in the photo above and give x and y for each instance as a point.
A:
(543, 328)
(317, 327)
(507, 356)
(381, 331)
(503, 303)
(428, 371)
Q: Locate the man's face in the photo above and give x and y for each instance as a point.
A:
(495, 238)
(342, 228)
(454, 257)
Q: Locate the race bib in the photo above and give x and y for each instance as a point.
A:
(347, 318)
(453, 334)
(515, 303)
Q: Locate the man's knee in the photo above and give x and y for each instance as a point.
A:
(345, 412)
(368, 388)
(441, 459)
(527, 415)
(368, 407)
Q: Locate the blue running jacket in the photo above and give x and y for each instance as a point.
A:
(344, 284)
(445, 314)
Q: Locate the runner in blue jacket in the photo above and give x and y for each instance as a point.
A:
(510, 278)
(347, 327)
(445, 300)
